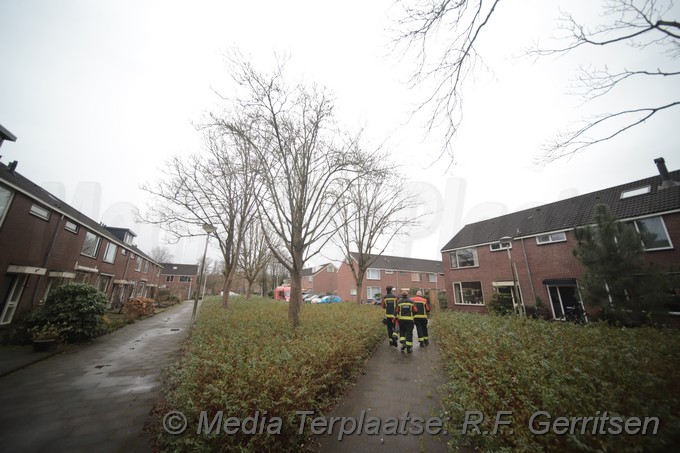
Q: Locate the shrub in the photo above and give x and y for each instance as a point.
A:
(141, 306)
(501, 304)
(76, 307)
(246, 360)
(525, 366)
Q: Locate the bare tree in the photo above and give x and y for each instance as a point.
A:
(255, 256)
(644, 24)
(373, 213)
(304, 164)
(161, 254)
(217, 188)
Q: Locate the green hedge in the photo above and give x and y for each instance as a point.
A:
(246, 360)
(525, 366)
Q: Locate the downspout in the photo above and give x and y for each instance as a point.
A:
(526, 261)
(47, 258)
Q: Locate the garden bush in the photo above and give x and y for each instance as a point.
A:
(525, 366)
(141, 306)
(77, 307)
(246, 360)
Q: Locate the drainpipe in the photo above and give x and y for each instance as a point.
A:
(55, 233)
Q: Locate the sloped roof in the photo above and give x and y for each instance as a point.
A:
(399, 263)
(32, 190)
(308, 271)
(572, 212)
(179, 269)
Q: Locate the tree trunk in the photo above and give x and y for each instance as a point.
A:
(360, 287)
(226, 287)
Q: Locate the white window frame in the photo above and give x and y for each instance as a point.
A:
(458, 294)
(560, 236)
(111, 249)
(310, 278)
(498, 246)
(97, 245)
(13, 298)
(107, 281)
(371, 291)
(40, 211)
(372, 271)
(665, 230)
(353, 292)
(146, 267)
(138, 263)
(6, 197)
(432, 277)
(71, 226)
(415, 276)
(453, 258)
(169, 278)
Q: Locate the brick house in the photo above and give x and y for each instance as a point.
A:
(46, 243)
(399, 272)
(179, 279)
(528, 254)
(320, 279)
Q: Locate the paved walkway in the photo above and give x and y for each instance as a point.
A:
(395, 384)
(95, 398)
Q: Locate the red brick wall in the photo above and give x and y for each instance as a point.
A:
(536, 263)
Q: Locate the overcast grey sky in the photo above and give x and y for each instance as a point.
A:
(101, 93)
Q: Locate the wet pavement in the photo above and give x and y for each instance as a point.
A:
(94, 398)
(395, 387)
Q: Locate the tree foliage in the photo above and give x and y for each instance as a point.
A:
(616, 277)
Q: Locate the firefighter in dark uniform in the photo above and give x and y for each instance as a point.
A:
(406, 309)
(389, 304)
(420, 318)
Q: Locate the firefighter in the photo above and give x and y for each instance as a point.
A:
(389, 304)
(420, 318)
(405, 311)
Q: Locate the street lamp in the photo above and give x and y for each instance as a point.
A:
(209, 229)
(515, 295)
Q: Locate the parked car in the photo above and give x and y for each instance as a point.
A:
(329, 300)
(308, 297)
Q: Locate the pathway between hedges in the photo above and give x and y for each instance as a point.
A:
(94, 398)
(394, 385)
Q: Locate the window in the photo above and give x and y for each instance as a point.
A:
(500, 246)
(310, 279)
(39, 211)
(10, 304)
(549, 238)
(330, 269)
(353, 292)
(184, 278)
(91, 245)
(146, 266)
(103, 283)
(635, 192)
(72, 227)
(464, 258)
(110, 253)
(653, 233)
(138, 264)
(565, 302)
(371, 291)
(372, 274)
(432, 277)
(468, 293)
(5, 199)
(82, 277)
(169, 278)
(415, 276)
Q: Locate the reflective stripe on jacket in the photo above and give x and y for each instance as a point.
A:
(421, 306)
(390, 305)
(406, 310)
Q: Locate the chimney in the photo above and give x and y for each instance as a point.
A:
(12, 166)
(666, 180)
